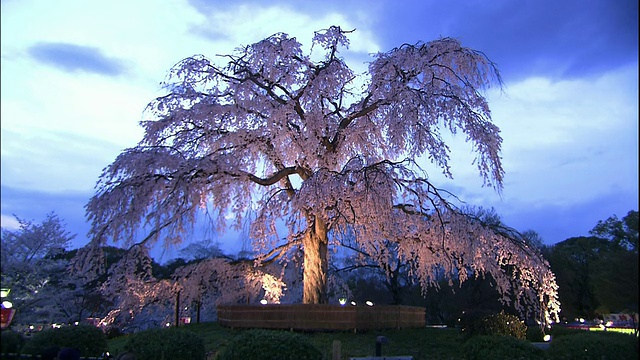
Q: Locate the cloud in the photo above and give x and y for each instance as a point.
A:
(75, 58)
(570, 147)
(55, 161)
(247, 23)
(558, 223)
(9, 222)
(555, 39)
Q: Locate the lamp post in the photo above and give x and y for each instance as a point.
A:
(7, 312)
(177, 308)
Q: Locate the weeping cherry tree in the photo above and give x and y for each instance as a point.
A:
(282, 141)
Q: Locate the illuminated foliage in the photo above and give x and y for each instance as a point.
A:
(139, 300)
(275, 138)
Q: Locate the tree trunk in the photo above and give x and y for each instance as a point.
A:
(315, 243)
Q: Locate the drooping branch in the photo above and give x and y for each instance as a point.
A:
(279, 175)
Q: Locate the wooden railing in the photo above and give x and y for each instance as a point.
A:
(320, 317)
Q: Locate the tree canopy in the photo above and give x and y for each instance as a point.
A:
(281, 141)
(598, 274)
(622, 233)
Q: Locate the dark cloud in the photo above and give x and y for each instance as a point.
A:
(558, 223)
(554, 221)
(546, 37)
(35, 205)
(73, 58)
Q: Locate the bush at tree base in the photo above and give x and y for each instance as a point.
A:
(89, 339)
(494, 324)
(536, 333)
(270, 344)
(500, 347)
(594, 345)
(558, 331)
(168, 344)
(113, 332)
(11, 341)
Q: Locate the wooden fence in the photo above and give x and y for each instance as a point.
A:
(320, 317)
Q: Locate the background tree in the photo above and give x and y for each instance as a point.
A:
(370, 274)
(32, 242)
(33, 265)
(598, 274)
(616, 271)
(204, 249)
(621, 232)
(281, 140)
(532, 238)
(573, 262)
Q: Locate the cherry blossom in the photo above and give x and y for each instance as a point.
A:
(280, 141)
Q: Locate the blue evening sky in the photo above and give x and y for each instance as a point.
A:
(77, 74)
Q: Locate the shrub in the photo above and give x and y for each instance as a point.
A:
(174, 344)
(594, 345)
(113, 332)
(497, 324)
(470, 320)
(12, 342)
(535, 334)
(88, 339)
(559, 331)
(500, 347)
(269, 344)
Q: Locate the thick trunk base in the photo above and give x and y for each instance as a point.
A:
(315, 245)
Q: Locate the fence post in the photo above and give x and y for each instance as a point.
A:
(336, 350)
(379, 341)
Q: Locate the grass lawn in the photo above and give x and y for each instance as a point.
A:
(424, 343)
